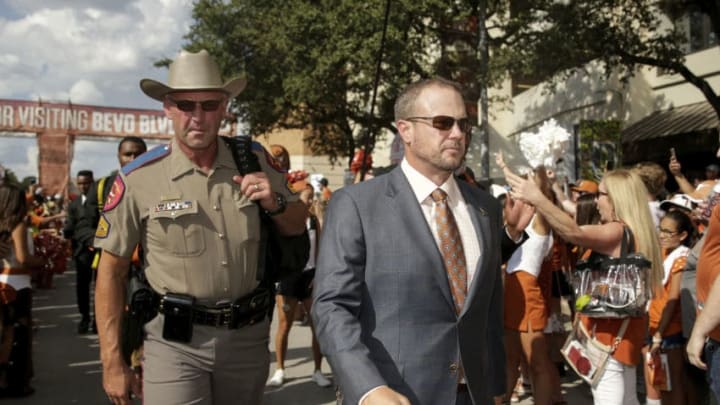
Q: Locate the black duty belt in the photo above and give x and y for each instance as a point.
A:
(213, 316)
(244, 311)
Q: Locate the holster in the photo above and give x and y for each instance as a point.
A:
(142, 304)
(251, 308)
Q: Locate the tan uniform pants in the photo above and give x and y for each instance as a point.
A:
(219, 366)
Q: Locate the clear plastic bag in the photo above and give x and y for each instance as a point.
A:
(612, 288)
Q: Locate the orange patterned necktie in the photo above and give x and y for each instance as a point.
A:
(451, 248)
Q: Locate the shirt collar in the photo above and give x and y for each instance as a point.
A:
(422, 187)
(181, 164)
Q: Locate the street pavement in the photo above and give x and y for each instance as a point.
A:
(68, 370)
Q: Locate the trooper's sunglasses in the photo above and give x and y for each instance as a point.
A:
(190, 105)
(445, 123)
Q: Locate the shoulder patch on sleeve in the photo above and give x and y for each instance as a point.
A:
(103, 228)
(116, 194)
(152, 155)
(256, 147)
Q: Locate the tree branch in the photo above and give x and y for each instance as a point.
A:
(680, 69)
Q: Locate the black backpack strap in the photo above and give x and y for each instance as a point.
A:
(241, 149)
(247, 162)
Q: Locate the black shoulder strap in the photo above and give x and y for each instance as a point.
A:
(241, 149)
(628, 242)
(247, 162)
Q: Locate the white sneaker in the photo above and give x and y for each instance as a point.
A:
(320, 379)
(277, 379)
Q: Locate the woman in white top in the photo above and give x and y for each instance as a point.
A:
(528, 285)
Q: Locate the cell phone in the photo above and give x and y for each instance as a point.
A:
(178, 312)
(672, 153)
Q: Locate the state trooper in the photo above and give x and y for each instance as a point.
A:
(198, 222)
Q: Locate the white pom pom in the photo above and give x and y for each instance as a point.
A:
(546, 146)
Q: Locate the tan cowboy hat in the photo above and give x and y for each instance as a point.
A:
(192, 72)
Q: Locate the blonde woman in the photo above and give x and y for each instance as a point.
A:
(622, 201)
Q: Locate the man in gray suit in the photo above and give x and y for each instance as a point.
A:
(386, 316)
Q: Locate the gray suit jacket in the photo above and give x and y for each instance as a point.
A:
(382, 307)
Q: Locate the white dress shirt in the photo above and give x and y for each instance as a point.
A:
(423, 187)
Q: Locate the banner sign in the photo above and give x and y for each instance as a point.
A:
(41, 116)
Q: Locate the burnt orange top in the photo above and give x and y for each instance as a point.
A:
(657, 304)
(707, 266)
(605, 330)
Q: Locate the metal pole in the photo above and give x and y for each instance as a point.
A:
(484, 56)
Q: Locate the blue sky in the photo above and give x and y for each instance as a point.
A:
(89, 52)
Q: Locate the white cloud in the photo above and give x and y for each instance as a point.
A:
(54, 46)
(20, 154)
(85, 92)
(87, 52)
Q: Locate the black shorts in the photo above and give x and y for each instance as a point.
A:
(297, 285)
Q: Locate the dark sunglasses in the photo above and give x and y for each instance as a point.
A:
(190, 105)
(445, 123)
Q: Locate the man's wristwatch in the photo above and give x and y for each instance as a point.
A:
(281, 204)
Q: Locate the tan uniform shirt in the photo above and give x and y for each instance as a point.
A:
(199, 232)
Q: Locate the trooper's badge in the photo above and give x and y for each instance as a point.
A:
(174, 206)
(116, 194)
(103, 228)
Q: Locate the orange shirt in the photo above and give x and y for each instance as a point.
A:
(708, 265)
(657, 304)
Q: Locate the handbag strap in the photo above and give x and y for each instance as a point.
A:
(618, 338)
(621, 333)
(628, 242)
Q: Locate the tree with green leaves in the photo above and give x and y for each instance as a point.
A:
(311, 64)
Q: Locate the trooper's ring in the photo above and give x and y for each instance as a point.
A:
(256, 186)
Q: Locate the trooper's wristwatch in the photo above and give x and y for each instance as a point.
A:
(281, 204)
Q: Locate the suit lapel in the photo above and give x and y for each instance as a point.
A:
(423, 244)
(481, 223)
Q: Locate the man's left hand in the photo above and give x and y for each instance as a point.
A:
(256, 187)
